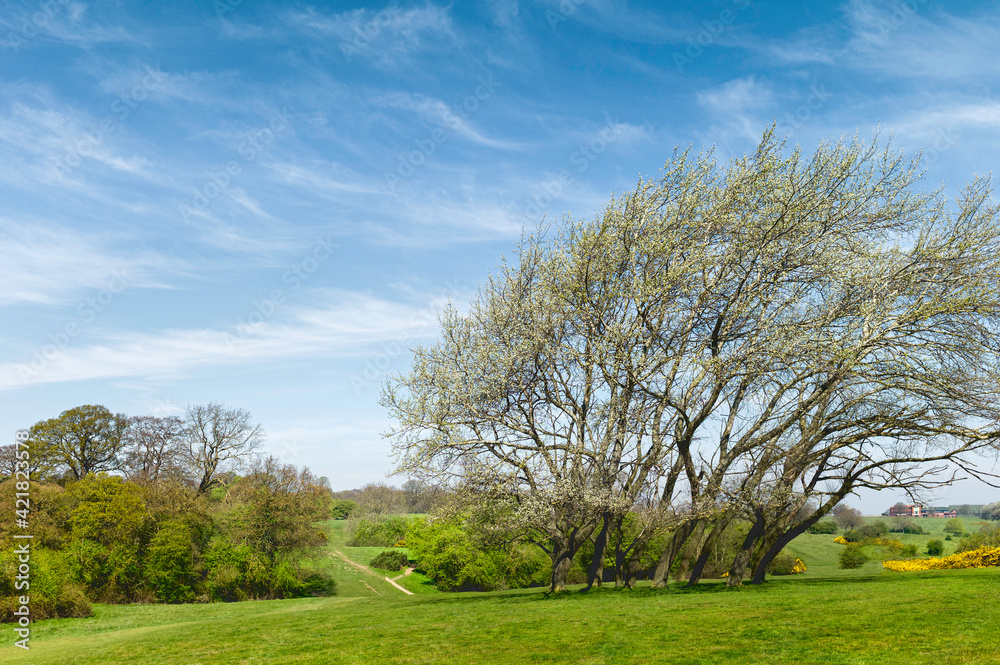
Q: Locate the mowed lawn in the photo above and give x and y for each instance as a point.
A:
(823, 616)
(934, 617)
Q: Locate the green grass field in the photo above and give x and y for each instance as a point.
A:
(823, 616)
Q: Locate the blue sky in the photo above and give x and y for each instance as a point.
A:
(263, 203)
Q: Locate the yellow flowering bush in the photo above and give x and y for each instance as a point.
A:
(840, 540)
(799, 567)
(983, 557)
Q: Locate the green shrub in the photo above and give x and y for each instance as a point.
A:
(824, 526)
(935, 547)
(988, 536)
(785, 564)
(53, 592)
(948, 537)
(874, 530)
(378, 532)
(451, 554)
(852, 556)
(390, 560)
(342, 509)
(852, 536)
(170, 564)
(954, 525)
(909, 551)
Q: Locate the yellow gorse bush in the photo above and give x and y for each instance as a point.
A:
(886, 542)
(984, 557)
(799, 567)
(840, 540)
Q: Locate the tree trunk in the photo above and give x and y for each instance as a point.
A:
(706, 550)
(680, 537)
(779, 544)
(560, 569)
(742, 560)
(596, 571)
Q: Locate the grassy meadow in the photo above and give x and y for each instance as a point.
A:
(825, 615)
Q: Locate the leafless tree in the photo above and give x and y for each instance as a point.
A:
(154, 448)
(219, 439)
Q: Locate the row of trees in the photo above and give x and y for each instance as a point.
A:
(203, 448)
(751, 342)
(106, 539)
(195, 517)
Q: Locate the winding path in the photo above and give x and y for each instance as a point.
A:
(368, 570)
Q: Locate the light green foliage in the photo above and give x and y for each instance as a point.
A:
(384, 531)
(52, 593)
(446, 552)
(954, 526)
(935, 547)
(988, 536)
(109, 510)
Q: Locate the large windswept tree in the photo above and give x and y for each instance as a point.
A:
(723, 342)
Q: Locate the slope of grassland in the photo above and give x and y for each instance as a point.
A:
(823, 616)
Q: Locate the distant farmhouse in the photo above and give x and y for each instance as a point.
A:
(920, 510)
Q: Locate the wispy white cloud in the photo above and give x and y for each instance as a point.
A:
(48, 264)
(346, 324)
(386, 36)
(437, 112)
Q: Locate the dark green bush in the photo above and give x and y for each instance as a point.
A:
(948, 537)
(852, 536)
(852, 556)
(783, 564)
(874, 530)
(824, 526)
(935, 547)
(390, 560)
(342, 509)
(378, 532)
